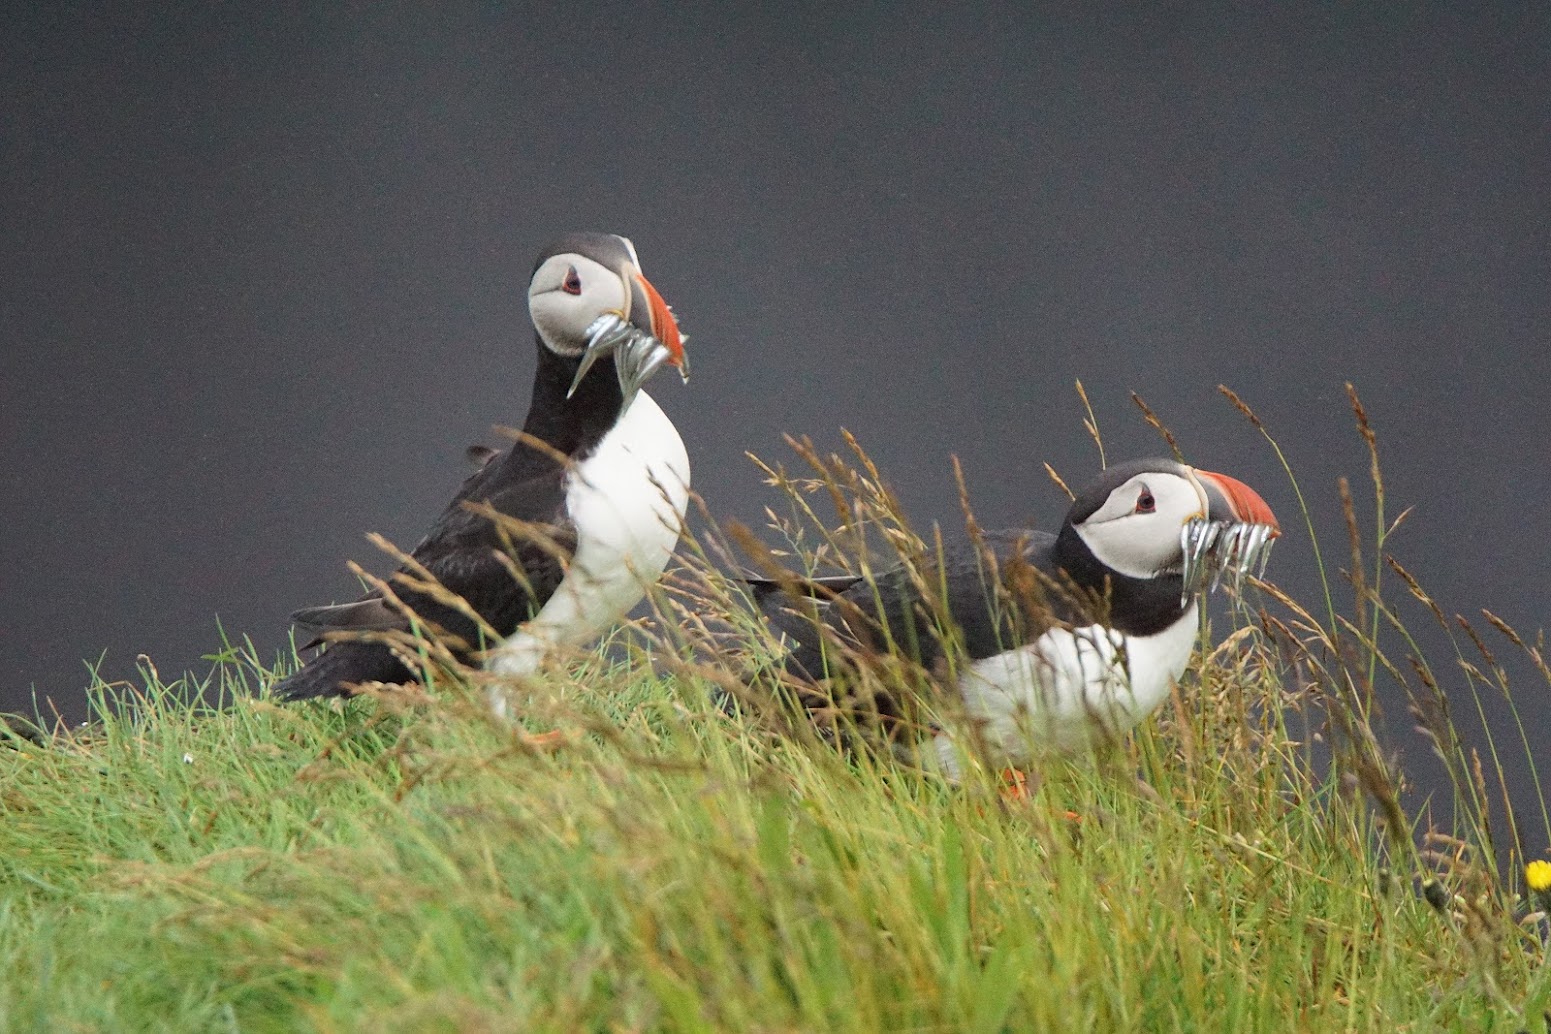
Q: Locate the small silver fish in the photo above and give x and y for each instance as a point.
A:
(1216, 548)
(637, 354)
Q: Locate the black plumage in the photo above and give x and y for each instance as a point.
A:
(1012, 586)
(526, 483)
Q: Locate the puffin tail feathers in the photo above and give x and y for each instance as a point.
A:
(769, 592)
(344, 662)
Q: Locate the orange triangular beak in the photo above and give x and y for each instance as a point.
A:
(664, 326)
(1248, 507)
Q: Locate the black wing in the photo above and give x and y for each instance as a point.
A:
(464, 552)
(993, 598)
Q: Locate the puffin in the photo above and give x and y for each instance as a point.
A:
(554, 539)
(1042, 642)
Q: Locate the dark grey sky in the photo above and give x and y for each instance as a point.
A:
(262, 273)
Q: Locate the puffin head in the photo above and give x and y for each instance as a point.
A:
(1157, 517)
(588, 298)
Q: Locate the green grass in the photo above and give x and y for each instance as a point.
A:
(389, 868)
(1244, 862)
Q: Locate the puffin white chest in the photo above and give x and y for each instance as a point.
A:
(1072, 688)
(626, 501)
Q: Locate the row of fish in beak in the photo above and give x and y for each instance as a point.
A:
(637, 354)
(1214, 549)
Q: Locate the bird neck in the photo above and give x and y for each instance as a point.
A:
(1136, 606)
(573, 426)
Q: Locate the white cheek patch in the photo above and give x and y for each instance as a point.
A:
(562, 319)
(1142, 545)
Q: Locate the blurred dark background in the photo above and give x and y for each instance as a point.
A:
(263, 268)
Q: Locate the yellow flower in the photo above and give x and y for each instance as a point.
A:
(1538, 875)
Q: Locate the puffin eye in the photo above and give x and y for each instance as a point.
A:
(1145, 503)
(573, 283)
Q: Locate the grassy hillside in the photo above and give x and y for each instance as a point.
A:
(404, 863)
(415, 868)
